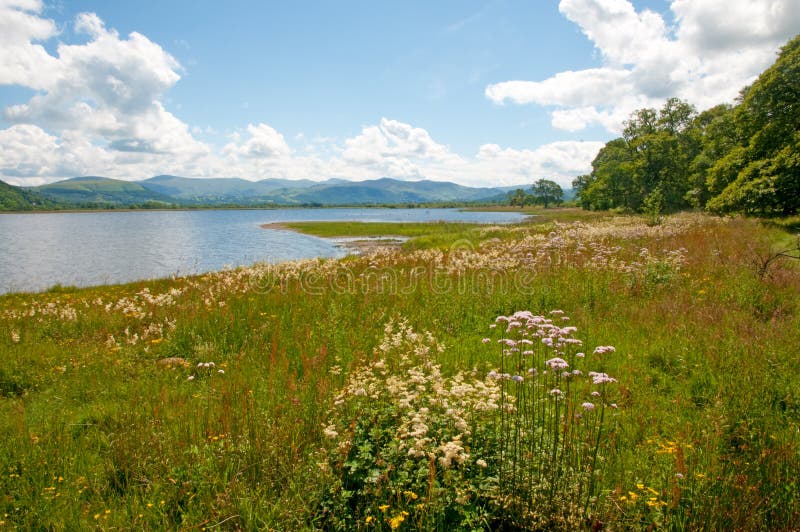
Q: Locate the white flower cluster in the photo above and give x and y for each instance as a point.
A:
(435, 413)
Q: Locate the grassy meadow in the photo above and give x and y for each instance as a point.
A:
(588, 373)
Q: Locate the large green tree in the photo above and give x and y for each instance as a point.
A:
(518, 198)
(653, 155)
(547, 192)
(761, 174)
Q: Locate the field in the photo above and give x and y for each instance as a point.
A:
(590, 373)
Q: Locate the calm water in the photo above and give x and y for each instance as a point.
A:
(83, 249)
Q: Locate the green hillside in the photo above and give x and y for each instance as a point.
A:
(386, 190)
(183, 191)
(220, 189)
(19, 199)
(101, 190)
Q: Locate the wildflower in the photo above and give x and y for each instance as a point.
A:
(15, 337)
(221, 371)
(556, 392)
(588, 406)
(330, 431)
(191, 377)
(603, 349)
(486, 340)
(557, 363)
(410, 494)
(396, 521)
(369, 519)
(595, 394)
(480, 462)
(383, 507)
(517, 378)
(580, 355)
(600, 378)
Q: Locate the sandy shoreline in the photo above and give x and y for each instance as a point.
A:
(356, 245)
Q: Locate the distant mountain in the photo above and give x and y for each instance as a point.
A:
(183, 191)
(101, 190)
(19, 199)
(220, 189)
(387, 190)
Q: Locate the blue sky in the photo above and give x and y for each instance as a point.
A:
(480, 93)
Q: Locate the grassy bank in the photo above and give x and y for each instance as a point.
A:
(307, 395)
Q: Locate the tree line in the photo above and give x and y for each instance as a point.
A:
(731, 158)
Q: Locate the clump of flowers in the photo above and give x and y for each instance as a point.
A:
(553, 424)
(473, 450)
(410, 446)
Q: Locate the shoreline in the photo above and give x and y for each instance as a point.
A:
(354, 245)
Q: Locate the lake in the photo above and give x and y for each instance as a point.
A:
(39, 250)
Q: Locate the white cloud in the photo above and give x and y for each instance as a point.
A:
(22, 60)
(103, 96)
(560, 161)
(393, 139)
(716, 48)
(264, 142)
(399, 150)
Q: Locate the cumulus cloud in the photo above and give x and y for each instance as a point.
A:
(396, 149)
(103, 96)
(400, 150)
(715, 48)
(262, 142)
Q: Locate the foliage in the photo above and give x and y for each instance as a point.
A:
(518, 198)
(727, 159)
(546, 192)
(19, 199)
(472, 450)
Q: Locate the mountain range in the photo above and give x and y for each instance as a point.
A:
(177, 191)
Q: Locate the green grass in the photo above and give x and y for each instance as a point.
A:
(97, 432)
(424, 235)
(421, 235)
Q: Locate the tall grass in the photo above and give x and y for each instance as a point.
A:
(106, 420)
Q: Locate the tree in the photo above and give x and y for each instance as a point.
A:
(581, 186)
(545, 191)
(744, 158)
(518, 198)
(762, 174)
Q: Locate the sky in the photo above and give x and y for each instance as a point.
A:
(481, 93)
